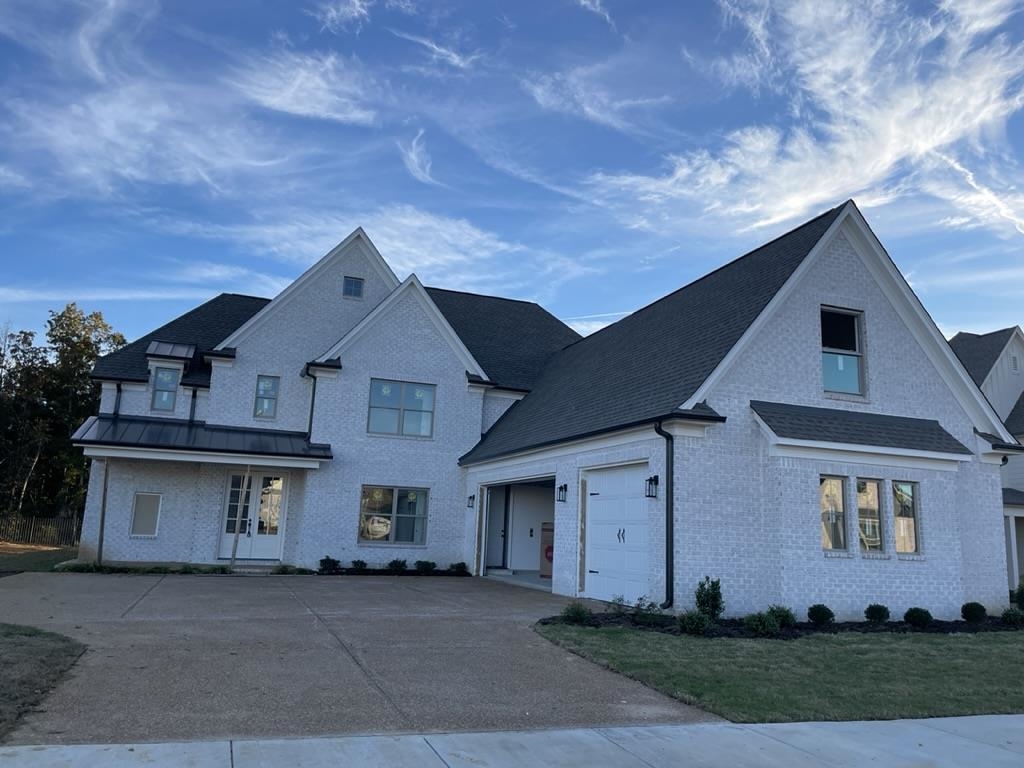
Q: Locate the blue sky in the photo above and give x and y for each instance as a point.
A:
(591, 155)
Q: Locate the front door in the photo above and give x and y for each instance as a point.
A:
(257, 515)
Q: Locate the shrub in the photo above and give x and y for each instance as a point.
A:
(459, 569)
(1013, 617)
(424, 567)
(645, 611)
(973, 613)
(918, 617)
(694, 623)
(186, 569)
(618, 604)
(304, 571)
(782, 615)
(283, 570)
(708, 596)
(820, 615)
(762, 624)
(329, 565)
(876, 613)
(398, 566)
(575, 613)
(358, 565)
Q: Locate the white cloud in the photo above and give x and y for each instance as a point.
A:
(596, 6)
(417, 160)
(579, 92)
(79, 293)
(439, 52)
(588, 324)
(339, 15)
(10, 178)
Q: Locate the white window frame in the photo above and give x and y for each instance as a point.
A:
(174, 392)
(401, 409)
(256, 399)
(846, 516)
(361, 282)
(917, 517)
(858, 330)
(390, 542)
(880, 485)
(156, 525)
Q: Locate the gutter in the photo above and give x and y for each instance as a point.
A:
(670, 515)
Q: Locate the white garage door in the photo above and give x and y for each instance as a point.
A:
(616, 534)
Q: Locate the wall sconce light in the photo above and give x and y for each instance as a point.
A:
(651, 490)
(470, 501)
(563, 492)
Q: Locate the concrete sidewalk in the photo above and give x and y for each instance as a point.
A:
(991, 741)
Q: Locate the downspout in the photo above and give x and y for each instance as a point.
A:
(312, 403)
(192, 407)
(103, 513)
(670, 515)
(117, 398)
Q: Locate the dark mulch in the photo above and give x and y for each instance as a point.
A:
(389, 572)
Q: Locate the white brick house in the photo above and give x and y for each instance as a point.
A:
(792, 423)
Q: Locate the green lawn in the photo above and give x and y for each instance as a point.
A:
(849, 676)
(31, 663)
(17, 558)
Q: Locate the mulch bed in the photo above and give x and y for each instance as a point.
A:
(389, 572)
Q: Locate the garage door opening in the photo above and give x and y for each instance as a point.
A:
(519, 544)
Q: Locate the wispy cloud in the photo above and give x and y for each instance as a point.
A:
(441, 53)
(342, 15)
(596, 6)
(579, 92)
(417, 160)
(588, 324)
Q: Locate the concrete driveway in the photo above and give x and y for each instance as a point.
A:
(203, 657)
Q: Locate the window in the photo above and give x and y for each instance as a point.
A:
(833, 514)
(401, 408)
(145, 514)
(165, 388)
(1014, 363)
(841, 351)
(352, 288)
(904, 505)
(393, 515)
(266, 397)
(869, 520)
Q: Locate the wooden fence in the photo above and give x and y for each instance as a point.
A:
(54, 531)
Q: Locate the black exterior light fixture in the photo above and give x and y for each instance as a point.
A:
(470, 501)
(651, 488)
(563, 492)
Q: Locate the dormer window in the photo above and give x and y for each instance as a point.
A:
(352, 288)
(165, 389)
(841, 351)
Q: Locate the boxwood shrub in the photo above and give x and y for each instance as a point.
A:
(783, 615)
(694, 622)
(820, 615)
(973, 613)
(918, 617)
(876, 613)
(762, 624)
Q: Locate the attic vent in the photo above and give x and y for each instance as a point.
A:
(1014, 363)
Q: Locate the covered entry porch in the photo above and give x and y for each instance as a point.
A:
(519, 537)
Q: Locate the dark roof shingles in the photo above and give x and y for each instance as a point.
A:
(1013, 497)
(979, 352)
(1015, 421)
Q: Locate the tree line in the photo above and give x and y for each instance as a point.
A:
(45, 395)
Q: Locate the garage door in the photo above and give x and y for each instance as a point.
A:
(616, 534)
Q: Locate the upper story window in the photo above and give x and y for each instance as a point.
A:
(841, 351)
(352, 288)
(266, 397)
(401, 408)
(165, 389)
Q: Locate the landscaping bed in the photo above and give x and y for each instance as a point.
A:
(331, 567)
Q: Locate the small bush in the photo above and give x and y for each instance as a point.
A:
(186, 569)
(358, 565)
(762, 624)
(459, 569)
(214, 569)
(398, 566)
(1018, 594)
(820, 615)
(1013, 617)
(304, 571)
(876, 613)
(575, 613)
(284, 570)
(785, 618)
(156, 569)
(424, 567)
(645, 611)
(973, 613)
(918, 617)
(694, 623)
(708, 596)
(618, 604)
(328, 565)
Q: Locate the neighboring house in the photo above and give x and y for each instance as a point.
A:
(792, 423)
(996, 363)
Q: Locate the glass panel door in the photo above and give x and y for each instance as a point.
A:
(266, 541)
(257, 515)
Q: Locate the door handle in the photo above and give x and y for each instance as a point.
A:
(623, 535)
(248, 528)
(590, 571)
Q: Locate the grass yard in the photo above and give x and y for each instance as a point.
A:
(31, 557)
(31, 663)
(848, 676)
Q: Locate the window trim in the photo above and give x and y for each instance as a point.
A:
(917, 551)
(174, 392)
(361, 282)
(845, 526)
(390, 542)
(858, 352)
(401, 410)
(156, 525)
(257, 397)
(880, 485)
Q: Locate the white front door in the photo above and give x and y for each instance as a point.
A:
(257, 516)
(616, 534)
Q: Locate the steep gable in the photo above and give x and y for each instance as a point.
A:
(979, 352)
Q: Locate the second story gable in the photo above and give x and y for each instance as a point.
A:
(996, 363)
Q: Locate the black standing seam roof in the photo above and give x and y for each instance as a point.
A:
(831, 425)
(647, 364)
(979, 352)
(180, 435)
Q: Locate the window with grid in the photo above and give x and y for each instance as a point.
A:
(165, 389)
(831, 492)
(401, 408)
(266, 397)
(392, 515)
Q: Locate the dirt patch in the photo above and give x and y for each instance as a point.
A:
(10, 548)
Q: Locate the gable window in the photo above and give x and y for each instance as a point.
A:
(352, 288)
(869, 521)
(905, 505)
(1014, 363)
(841, 352)
(145, 514)
(392, 515)
(833, 512)
(401, 408)
(266, 397)
(165, 389)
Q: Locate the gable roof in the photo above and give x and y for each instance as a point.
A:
(1015, 421)
(203, 327)
(510, 339)
(644, 366)
(979, 352)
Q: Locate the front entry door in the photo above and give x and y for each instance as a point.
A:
(257, 515)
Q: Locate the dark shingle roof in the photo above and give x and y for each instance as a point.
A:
(203, 327)
(181, 435)
(831, 425)
(647, 364)
(979, 352)
(1015, 421)
(510, 339)
(1013, 498)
